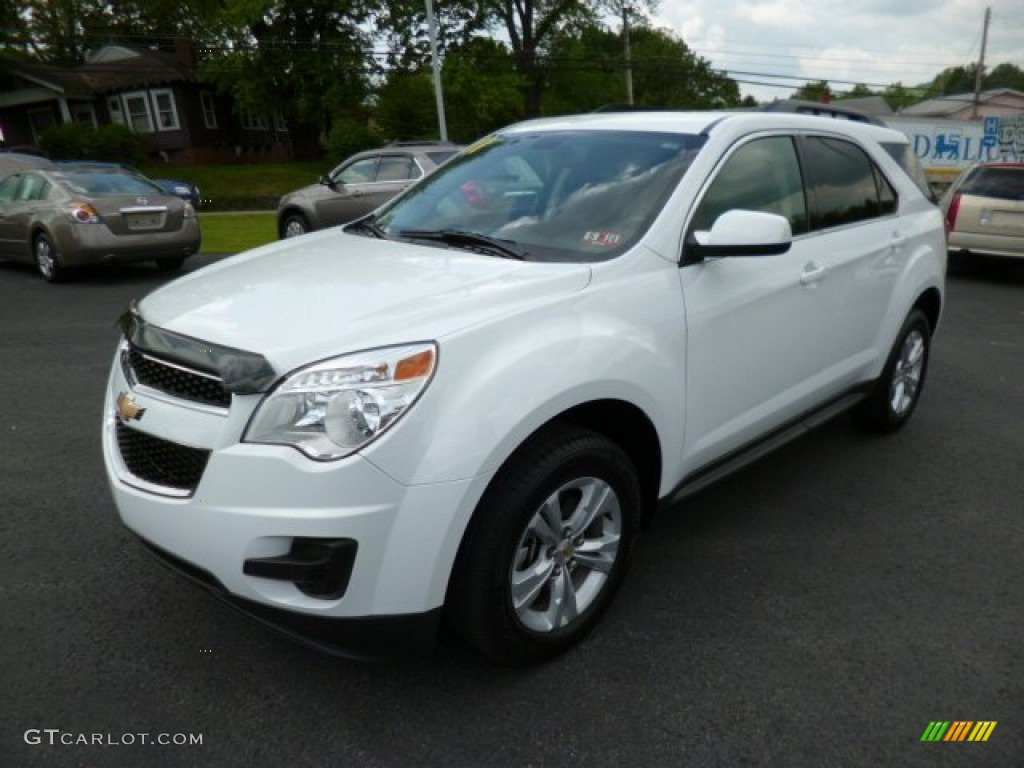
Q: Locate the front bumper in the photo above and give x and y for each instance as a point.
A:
(254, 502)
(366, 638)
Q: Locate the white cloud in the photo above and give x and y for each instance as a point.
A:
(861, 41)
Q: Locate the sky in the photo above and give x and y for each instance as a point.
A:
(875, 42)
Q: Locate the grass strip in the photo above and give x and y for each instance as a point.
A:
(235, 232)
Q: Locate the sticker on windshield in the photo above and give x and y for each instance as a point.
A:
(607, 239)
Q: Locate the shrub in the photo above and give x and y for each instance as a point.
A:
(80, 141)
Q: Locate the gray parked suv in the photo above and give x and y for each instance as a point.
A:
(360, 184)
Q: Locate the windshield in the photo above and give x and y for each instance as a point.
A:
(1004, 183)
(556, 196)
(107, 184)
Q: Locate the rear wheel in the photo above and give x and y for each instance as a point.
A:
(47, 261)
(293, 225)
(898, 389)
(547, 547)
(170, 264)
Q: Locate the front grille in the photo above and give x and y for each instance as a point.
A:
(177, 381)
(161, 462)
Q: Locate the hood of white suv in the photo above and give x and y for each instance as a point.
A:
(324, 294)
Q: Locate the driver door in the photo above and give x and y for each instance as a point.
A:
(756, 325)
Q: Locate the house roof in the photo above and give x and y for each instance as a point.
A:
(953, 103)
(112, 68)
(118, 67)
(869, 105)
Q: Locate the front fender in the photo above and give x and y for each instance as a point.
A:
(497, 383)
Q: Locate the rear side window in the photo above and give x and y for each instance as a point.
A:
(846, 185)
(1001, 183)
(397, 168)
(908, 161)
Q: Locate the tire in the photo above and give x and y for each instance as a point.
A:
(46, 258)
(170, 264)
(535, 571)
(294, 225)
(898, 389)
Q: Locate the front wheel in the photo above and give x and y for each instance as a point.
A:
(293, 225)
(898, 389)
(547, 547)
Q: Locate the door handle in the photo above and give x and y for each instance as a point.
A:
(898, 241)
(812, 273)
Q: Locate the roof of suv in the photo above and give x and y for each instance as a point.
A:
(705, 122)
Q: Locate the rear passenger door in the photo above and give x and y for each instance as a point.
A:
(861, 243)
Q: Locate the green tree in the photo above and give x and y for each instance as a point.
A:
(305, 59)
(530, 26)
(1005, 75)
(952, 80)
(898, 97)
(482, 89)
(816, 91)
(406, 107)
(859, 91)
(586, 71)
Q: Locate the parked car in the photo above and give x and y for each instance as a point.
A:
(360, 184)
(465, 406)
(20, 161)
(186, 190)
(984, 210)
(64, 217)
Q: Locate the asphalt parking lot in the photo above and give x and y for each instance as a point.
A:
(820, 608)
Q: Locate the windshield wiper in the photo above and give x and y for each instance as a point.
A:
(367, 226)
(470, 240)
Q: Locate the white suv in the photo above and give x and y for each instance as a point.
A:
(465, 406)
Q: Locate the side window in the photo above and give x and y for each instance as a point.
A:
(33, 188)
(395, 168)
(847, 187)
(762, 175)
(358, 172)
(8, 187)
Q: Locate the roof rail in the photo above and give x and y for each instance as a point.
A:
(421, 143)
(820, 109)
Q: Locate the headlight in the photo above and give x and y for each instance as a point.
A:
(334, 408)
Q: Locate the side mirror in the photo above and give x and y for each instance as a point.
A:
(741, 233)
(328, 182)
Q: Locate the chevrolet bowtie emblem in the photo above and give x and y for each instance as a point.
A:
(127, 409)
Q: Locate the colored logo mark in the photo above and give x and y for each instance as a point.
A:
(958, 730)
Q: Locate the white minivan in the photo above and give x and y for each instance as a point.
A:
(464, 406)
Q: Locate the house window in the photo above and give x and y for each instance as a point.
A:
(253, 122)
(114, 105)
(166, 112)
(279, 123)
(209, 110)
(83, 113)
(136, 105)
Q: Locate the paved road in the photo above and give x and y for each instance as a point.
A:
(818, 609)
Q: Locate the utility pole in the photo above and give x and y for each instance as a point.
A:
(628, 55)
(438, 95)
(981, 64)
